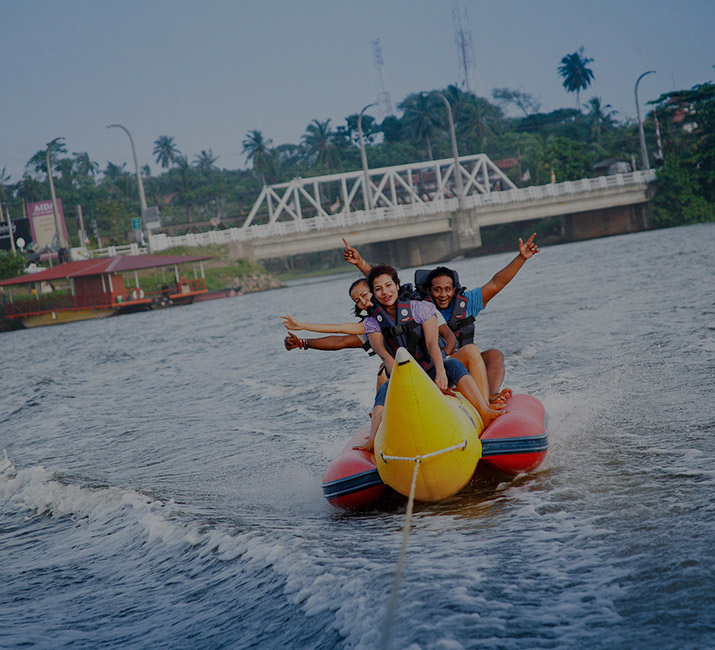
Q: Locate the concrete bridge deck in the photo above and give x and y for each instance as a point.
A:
(440, 227)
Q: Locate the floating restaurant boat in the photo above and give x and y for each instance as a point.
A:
(97, 289)
(443, 434)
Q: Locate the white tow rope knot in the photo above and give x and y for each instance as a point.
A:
(462, 446)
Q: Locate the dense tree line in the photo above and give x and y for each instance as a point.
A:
(563, 143)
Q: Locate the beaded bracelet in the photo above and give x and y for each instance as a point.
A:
(303, 344)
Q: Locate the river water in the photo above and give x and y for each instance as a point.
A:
(161, 484)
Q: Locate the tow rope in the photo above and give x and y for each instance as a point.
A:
(392, 604)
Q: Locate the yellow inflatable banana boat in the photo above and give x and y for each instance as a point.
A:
(419, 422)
(442, 434)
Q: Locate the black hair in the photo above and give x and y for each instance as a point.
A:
(356, 310)
(439, 272)
(381, 269)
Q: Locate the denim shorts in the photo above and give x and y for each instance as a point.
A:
(455, 371)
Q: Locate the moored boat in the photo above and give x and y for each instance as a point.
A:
(441, 433)
(96, 288)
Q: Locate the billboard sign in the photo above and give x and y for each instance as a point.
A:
(42, 223)
(20, 230)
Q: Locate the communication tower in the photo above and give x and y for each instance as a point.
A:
(383, 96)
(463, 39)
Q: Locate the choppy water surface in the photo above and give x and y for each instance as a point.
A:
(162, 481)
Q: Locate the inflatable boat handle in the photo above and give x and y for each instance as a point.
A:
(461, 446)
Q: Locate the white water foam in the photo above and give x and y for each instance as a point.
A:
(314, 581)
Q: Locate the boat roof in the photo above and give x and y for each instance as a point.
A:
(119, 264)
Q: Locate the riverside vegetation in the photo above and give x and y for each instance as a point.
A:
(566, 141)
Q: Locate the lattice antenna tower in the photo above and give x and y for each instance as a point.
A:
(383, 96)
(463, 39)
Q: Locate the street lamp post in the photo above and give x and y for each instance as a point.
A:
(140, 184)
(366, 195)
(644, 153)
(455, 152)
(55, 211)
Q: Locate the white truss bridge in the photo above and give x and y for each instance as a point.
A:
(400, 194)
(341, 195)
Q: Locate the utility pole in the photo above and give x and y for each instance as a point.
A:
(463, 39)
(367, 197)
(384, 95)
(55, 211)
(9, 229)
(140, 184)
(455, 152)
(82, 234)
(644, 154)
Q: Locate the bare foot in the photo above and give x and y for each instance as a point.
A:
(502, 396)
(491, 415)
(367, 446)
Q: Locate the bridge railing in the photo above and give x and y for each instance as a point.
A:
(115, 251)
(162, 241)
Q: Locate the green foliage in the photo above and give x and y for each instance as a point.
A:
(679, 200)
(11, 265)
(686, 182)
(565, 139)
(569, 159)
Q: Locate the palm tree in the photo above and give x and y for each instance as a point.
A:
(475, 119)
(115, 171)
(84, 165)
(257, 150)
(205, 161)
(576, 75)
(318, 140)
(166, 151)
(600, 117)
(422, 117)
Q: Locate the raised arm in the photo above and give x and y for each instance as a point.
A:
(323, 328)
(506, 275)
(352, 256)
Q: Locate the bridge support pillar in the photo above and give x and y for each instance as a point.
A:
(463, 236)
(466, 235)
(241, 250)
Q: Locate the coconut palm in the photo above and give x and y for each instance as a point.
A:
(476, 120)
(422, 117)
(318, 141)
(576, 75)
(166, 151)
(84, 165)
(257, 150)
(115, 171)
(205, 161)
(600, 117)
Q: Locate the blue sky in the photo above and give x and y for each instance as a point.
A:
(207, 72)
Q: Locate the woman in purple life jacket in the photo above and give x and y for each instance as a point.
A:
(413, 325)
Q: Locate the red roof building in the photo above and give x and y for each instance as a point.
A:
(97, 289)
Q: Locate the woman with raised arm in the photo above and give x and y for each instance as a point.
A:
(412, 324)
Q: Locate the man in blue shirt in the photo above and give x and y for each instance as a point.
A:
(460, 309)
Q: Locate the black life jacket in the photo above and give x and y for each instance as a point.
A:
(406, 333)
(368, 348)
(461, 324)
